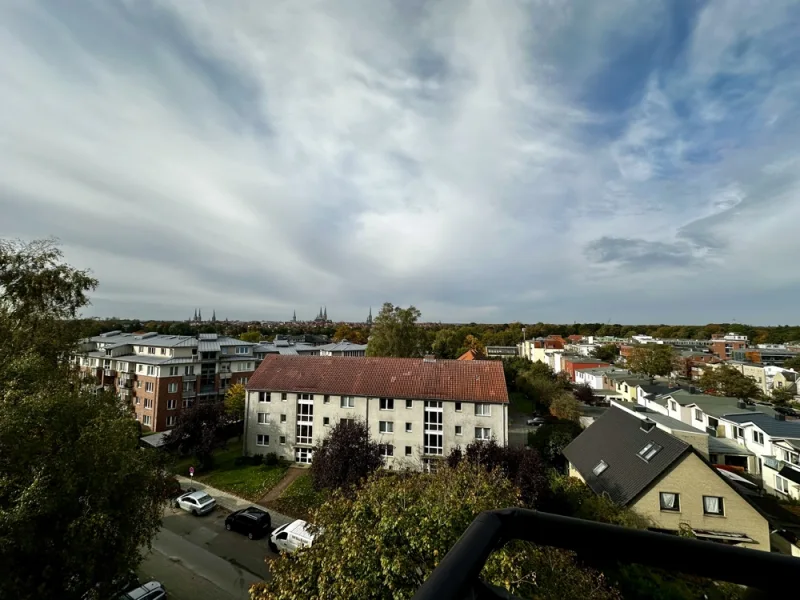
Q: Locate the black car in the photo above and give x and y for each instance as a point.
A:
(253, 522)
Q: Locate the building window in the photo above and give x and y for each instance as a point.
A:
(386, 426)
(673, 405)
(163, 350)
(387, 403)
(649, 451)
(409, 404)
(263, 397)
(172, 404)
(188, 402)
(263, 418)
(262, 440)
(282, 440)
(387, 450)
(483, 410)
(148, 403)
(139, 368)
(408, 427)
(601, 466)
(326, 421)
(698, 415)
(151, 370)
(458, 429)
(758, 437)
(283, 418)
(483, 433)
(712, 422)
(458, 406)
(670, 501)
(138, 384)
(713, 505)
(738, 432)
(151, 350)
(188, 370)
(781, 484)
(242, 350)
(346, 421)
(303, 455)
(172, 388)
(304, 434)
(283, 396)
(136, 400)
(149, 386)
(244, 380)
(305, 397)
(347, 402)
(147, 419)
(172, 420)
(408, 450)
(173, 371)
(326, 399)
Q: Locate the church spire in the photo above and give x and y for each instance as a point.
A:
(294, 316)
(194, 319)
(369, 318)
(214, 316)
(200, 315)
(325, 314)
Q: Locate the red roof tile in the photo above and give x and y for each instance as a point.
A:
(468, 381)
(472, 354)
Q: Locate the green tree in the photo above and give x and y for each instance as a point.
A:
(608, 352)
(472, 343)
(550, 439)
(728, 381)
(197, 433)
(651, 360)
(781, 396)
(792, 363)
(345, 457)
(385, 541)
(235, 401)
(78, 496)
(251, 336)
(565, 407)
(395, 333)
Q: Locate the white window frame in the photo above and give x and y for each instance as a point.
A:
(264, 397)
(148, 403)
(758, 437)
(387, 450)
(262, 418)
(172, 388)
(782, 484)
(347, 402)
(172, 404)
(173, 371)
(697, 412)
(386, 403)
(483, 434)
(262, 439)
(459, 430)
(149, 386)
(600, 468)
(172, 420)
(721, 512)
(147, 420)
(242, 350)
(483, 409)
(386, 426)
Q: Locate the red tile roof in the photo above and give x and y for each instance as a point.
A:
(472, 354)
(459, 380)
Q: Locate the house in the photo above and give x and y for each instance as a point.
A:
(784, 380)
(574, 364)
(343, 348)
(417, 409)
(286, 347)
(754, 371)
(472, 354)
(501, 351)
(575, 339)
(593, 377)
(664, 479)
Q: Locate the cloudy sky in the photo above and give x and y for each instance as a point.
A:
(483, 160)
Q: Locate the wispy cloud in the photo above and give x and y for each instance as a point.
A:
(480, 160)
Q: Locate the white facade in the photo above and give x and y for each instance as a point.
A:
(411, 430)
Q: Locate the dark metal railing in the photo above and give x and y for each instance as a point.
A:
(456, 577)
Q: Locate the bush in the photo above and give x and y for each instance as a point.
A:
(241, 460)
(271, 459)
(257, 459)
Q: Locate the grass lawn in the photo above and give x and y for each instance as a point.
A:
(299, 499)
(247, 481)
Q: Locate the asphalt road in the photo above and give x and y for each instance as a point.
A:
(195, 557)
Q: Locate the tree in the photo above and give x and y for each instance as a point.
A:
(251, 336)
(472, 343)
(345, 457)
(728, 381)
(550, 439)
(235, 401)
(651, 360)
(584, 393)
(781, 396)
(400, 525)
(792, 363)
(197, 433)
(395, 333)
(608, 352)
(78, 496)
(564, 406)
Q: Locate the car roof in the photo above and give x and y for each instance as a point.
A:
(252, 511)
(143, 589)
(198, 495)
(298, 528)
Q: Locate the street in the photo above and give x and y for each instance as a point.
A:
(195, 557)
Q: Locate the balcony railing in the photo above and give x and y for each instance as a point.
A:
(208, 389)
(457, 576)
(190, 377)
(189, 393)
(109, 373)
(772, 463)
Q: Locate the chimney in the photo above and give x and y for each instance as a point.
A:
(429, 358)
(647, 425)
(741, 404)
(780, 417)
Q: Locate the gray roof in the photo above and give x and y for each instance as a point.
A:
(659, 388)
(617, 438)
(167, 341)
(717, 445)
(208, 346)
(599, 370)
(770, 425)
(342, 346)
(684, 397)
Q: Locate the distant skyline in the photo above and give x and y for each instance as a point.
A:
(622, 161)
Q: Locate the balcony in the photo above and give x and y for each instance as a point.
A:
(109, 373)
(208, 389)
(189, 393)
(772, 463)
(190, 377)
(126, 383)
(457, 576)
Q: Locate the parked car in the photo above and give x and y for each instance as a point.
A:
(152, 590)
(197, 503)
(536, 421)
(120, 584)
(253, 522)
(291, 537)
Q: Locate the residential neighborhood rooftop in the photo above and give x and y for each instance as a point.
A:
(768, 424)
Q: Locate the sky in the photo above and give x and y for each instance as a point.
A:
(622, 161)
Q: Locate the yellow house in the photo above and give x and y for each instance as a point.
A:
(785, 380)
(753, 371)
(665, 480)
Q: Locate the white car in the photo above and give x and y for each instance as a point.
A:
(152, 590)
(197, 503)
(291, 537)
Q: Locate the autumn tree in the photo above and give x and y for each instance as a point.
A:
(550, 439)
(197, 432)
(351, 334)
(78, 497)
(729, 381)
(345, 457)
(792, 363)
(607, 353)
(400, 525)
(395, 333)
(473, 343)
(651, 360)
(251, 336)
(235, 401)
(565, 407)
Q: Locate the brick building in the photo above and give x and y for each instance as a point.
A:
(572, 364)
(723, 346)
(160, 375)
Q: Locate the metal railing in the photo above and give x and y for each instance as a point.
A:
(457, 576)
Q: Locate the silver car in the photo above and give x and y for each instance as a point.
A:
(152, 590)
(197, 503)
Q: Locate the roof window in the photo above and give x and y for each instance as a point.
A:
(649, 451)
(601, 466)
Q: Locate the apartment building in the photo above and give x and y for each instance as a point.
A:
(160, 375)
(665, 479)
(775, 357)
(417, 409)
(724, 346)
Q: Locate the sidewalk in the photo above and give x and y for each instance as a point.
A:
(230, 502)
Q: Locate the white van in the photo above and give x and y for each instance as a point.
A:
(288, 538)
